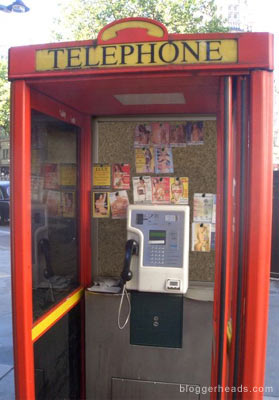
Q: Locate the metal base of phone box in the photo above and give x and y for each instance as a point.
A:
(117, 369)
(156, 319)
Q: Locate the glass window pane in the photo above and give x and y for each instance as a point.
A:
(54, 207)
(57, 359)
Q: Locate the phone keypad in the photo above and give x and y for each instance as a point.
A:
(157, 255)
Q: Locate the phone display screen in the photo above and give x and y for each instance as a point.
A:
(157, 237)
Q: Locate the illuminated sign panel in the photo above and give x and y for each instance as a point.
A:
(145, 54)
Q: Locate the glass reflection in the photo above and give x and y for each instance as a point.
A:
(57, 359)
(54, 211)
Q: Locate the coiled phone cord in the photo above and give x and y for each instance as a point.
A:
(124, 291)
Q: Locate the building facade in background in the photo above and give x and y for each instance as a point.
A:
(4, 155)
(239, 14)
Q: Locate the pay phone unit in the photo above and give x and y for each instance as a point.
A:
(157, 249)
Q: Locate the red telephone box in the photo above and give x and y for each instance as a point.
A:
(56, 90)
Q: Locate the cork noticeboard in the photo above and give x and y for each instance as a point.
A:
(115, 144)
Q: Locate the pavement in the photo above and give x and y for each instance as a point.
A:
(6, 345)
(6, 338)
(272, 355)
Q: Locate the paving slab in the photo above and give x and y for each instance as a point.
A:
(7, 391)
(271, 398)
(4, 369)
(6, 337)
(272, 355)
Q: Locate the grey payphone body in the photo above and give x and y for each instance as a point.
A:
(161, 233)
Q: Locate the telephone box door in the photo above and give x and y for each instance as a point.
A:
(48, 282)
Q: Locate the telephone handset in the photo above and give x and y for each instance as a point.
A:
(131, 248)
(44, 247)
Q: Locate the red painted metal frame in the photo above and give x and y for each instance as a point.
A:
(259, 203)
(235, 182)
(229, 240)
(258, 244)
(40, 102)
(53, 108)
(85, 201)
(235, 270)
(223, 194)
(249, 56)
(259, 233)
(85, 227)
(241, 258)
(218, 254)
(21, 241)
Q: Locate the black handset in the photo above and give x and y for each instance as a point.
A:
(45, 249)
(131, 249)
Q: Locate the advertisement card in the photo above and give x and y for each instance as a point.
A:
(201, 237)
(53, 203)
(119, 202)
(163, 160)
(160, 190)
(142, 189)
(194, 132)
(36, 162)
(51, 176)
(203, 207)
(160, 133)
(121, 176)
(68, 174)
(68, 204)
(144, 160)
(177, 136)
(101, 175)
(37, 186)
(100, 205)
(179, 190)
(142, 135)
(38, 136)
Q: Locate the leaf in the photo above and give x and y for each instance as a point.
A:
(83, 19)
(4, 97)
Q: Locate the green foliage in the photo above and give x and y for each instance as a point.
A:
(83, 19)
(4, 97)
